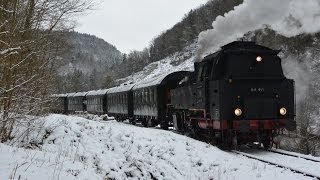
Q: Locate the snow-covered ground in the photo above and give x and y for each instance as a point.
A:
(180, 61)
(67, 147)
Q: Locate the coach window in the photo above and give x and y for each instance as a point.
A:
(155, 95)
(137, 97)
(151, 95)
(140, 96)
(147, 95)
(122, 98)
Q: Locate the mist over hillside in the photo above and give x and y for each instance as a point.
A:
(86, 63)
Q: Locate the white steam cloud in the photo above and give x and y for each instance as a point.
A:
(287, 17)
(300, 73)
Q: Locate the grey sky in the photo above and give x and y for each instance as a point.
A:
(132, 24)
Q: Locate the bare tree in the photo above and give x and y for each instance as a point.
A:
(308, 140)
(29, 40)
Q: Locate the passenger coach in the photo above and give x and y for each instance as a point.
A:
(119, 100)
(152, 97)
(97, 101)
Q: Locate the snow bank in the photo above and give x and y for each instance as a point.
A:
(76, 148)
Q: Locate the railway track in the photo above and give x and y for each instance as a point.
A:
(295, 155)
(295, 166)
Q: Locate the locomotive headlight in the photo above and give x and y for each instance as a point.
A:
(259, 58)
(238, 112)
(283, 111)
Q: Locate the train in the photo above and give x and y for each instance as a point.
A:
(237, 95)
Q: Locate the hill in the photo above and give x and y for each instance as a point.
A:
(86, 62)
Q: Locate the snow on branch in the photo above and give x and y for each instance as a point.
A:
(6, 10)
(19, 85)
(10, 50)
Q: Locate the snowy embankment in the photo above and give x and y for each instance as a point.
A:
(76, 148)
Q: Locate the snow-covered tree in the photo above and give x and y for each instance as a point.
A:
(29, 40)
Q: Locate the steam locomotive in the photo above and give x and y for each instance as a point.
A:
(235, 96)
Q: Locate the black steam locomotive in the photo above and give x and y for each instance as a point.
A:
(235, 96)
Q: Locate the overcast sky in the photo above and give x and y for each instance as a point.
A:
(132, 24)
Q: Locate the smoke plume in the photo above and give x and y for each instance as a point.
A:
(286, 17)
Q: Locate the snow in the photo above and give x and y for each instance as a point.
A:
(152, 81)
(121, 88)
(80, 94)
(59, 95)
(180, 61)
(11, 50)
(297, 154)
(97, 92)
(299, 164)
(70, 94)
(68, 147)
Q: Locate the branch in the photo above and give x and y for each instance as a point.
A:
(25, 82)
(9, 50)
(6, 10)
